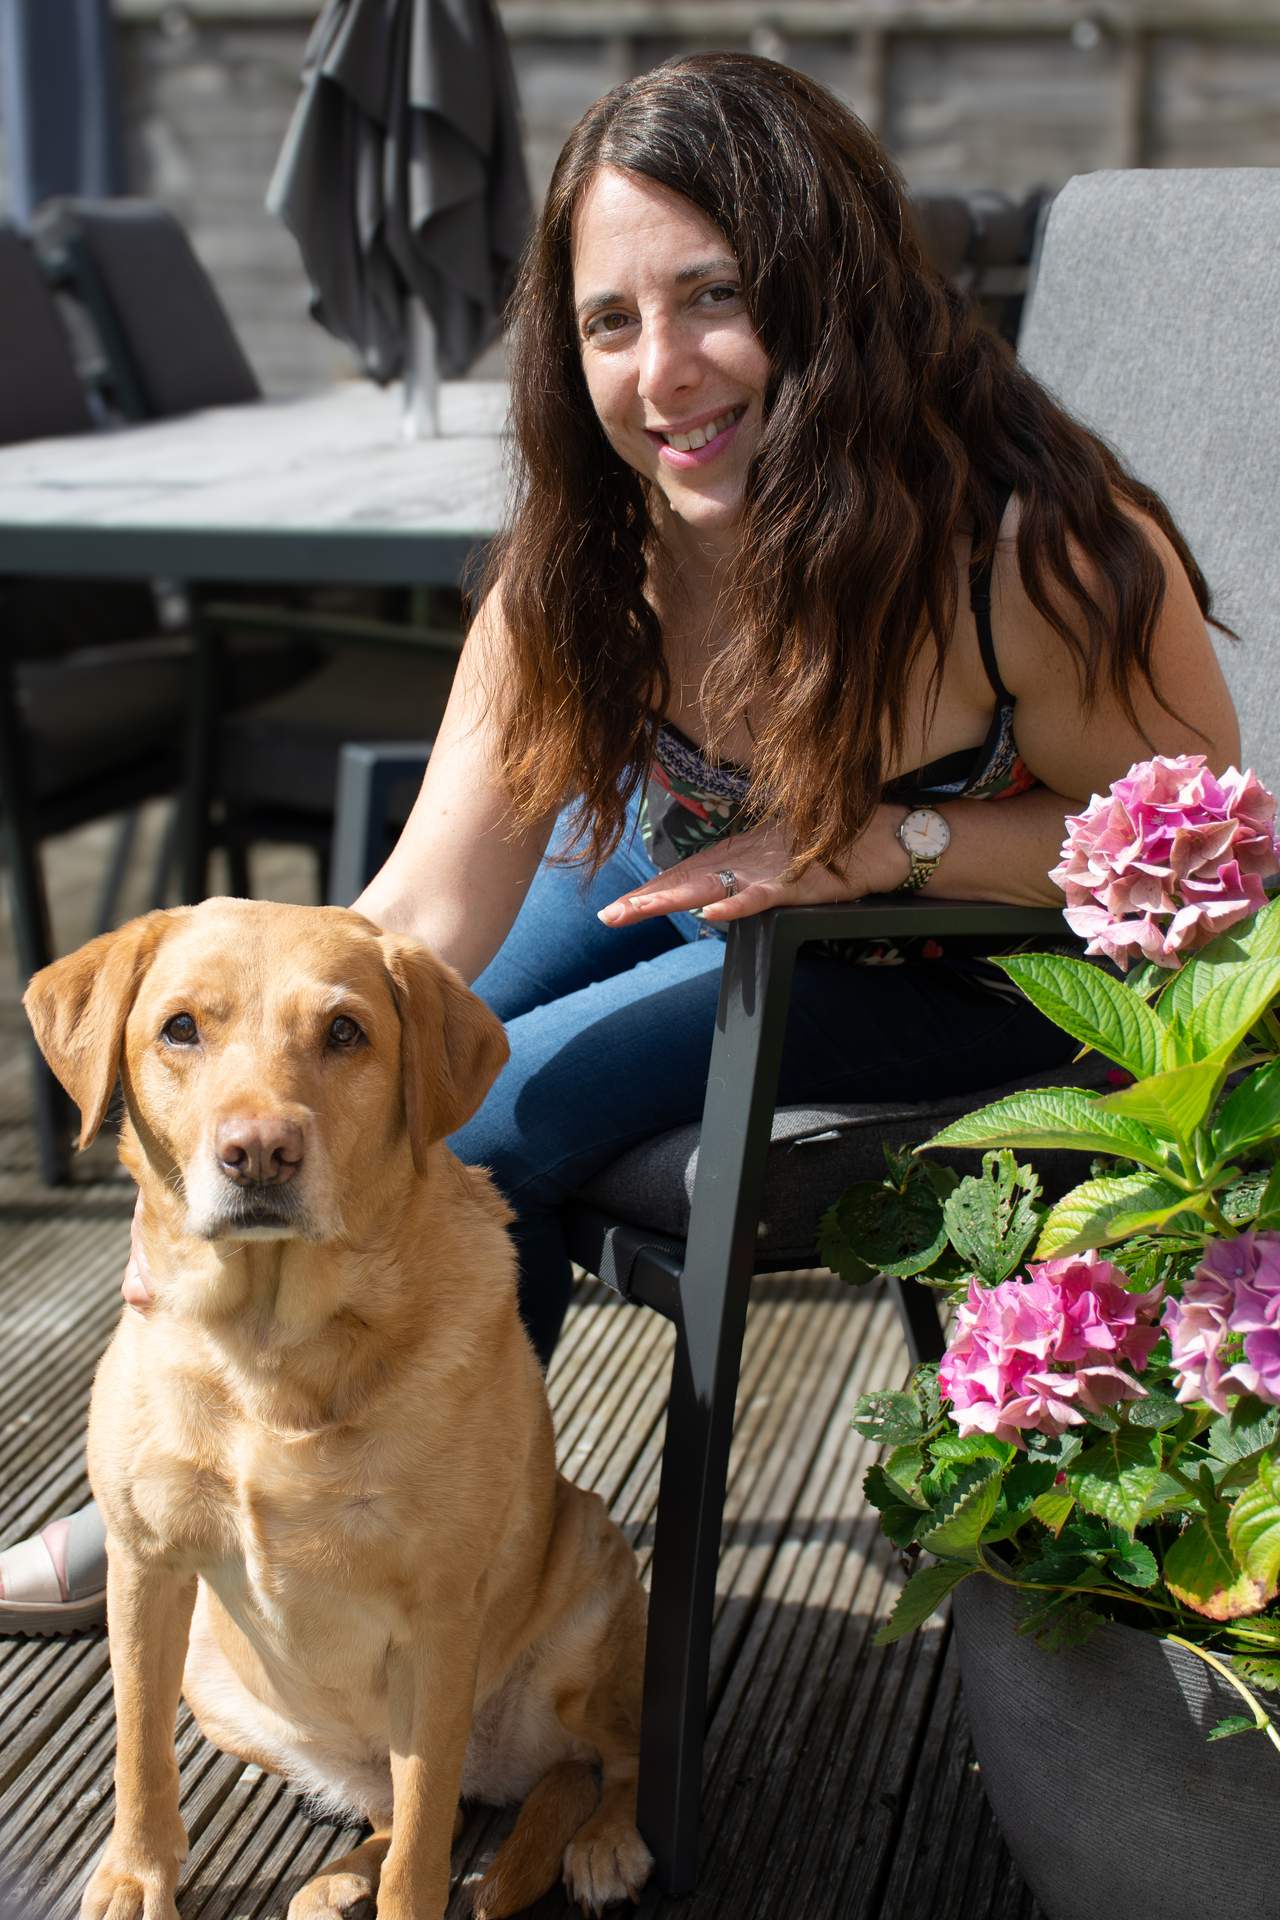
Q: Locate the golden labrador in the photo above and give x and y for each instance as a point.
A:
(325, 1455)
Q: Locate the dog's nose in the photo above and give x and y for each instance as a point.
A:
(259, 1149)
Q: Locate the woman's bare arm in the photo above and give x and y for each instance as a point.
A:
(458, 875)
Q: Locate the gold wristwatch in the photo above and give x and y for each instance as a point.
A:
(924, 837)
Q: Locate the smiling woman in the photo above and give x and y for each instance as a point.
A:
(804, 572)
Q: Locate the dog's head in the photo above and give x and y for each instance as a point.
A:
(276, 1061)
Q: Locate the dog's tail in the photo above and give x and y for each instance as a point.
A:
(528, 1862)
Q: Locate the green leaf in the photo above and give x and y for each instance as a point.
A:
(1158, 1411)
(1257, 939)
(1092, 1007)
(991, 1218)
(924, 1592)
(1053, 1509)
(1234, 1723)
(1258, 1670)
(1254, 1633)
(1267, 1218)
(1099, 1211)
(900, 1512)
(964, 1447)
(1253, 1526)
(1056, 1117)
(1250, 1113)
(1245, 1431)
(890, 1419)
(1201, 1571)
(1134, 1563)
(1175, 1102)
(1117, 1476)
(905, 1465)
(875, 1229)
(959, 1519)
(1231, 1007)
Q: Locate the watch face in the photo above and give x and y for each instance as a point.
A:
(925, 833)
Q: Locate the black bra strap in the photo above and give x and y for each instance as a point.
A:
(980, 601)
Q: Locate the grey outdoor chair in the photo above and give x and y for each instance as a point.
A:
(1155, 317)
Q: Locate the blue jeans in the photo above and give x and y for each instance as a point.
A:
(611, 1032)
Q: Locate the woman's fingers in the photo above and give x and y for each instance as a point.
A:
(701, 889)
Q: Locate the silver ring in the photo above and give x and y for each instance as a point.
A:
(729, 881)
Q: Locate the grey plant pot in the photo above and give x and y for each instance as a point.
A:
(1098, 1770)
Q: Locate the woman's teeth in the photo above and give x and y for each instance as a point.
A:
(689, 442)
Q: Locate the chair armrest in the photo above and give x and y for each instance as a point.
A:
(368, 774)
(898, 916)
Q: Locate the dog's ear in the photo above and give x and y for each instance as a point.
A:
(451, 1046)
(78, 1008)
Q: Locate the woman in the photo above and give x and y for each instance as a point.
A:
(810, 592)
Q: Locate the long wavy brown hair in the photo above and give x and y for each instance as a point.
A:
(893, 418)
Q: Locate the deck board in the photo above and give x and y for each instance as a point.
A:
(839, 1778)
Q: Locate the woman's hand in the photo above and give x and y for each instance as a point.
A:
(757, 859)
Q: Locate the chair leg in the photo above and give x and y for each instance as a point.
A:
(201, 747)
(917, 1311)
(31, 932)
(686, 1552)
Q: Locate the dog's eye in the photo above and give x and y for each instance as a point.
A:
(181, 1031)
(343, 1032)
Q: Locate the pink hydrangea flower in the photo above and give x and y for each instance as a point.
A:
(1171, 856)
(1225, 1330)
(1037, 1354)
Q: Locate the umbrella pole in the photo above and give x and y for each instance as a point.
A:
(421, 419)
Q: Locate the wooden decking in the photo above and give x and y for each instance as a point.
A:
(839, 1780)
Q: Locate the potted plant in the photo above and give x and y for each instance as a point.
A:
(1093, 1470)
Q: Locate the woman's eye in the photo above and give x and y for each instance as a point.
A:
(721, 295)
(605, 323)
(180, 1031)
(343, 1032)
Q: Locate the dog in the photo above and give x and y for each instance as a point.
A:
(325, 1455)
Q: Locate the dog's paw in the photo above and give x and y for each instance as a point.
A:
(335, 1896)
(116, 1895)
(605, 1862)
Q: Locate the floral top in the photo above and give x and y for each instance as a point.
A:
(691, 802)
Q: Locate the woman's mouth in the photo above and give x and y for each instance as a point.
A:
(699, 444)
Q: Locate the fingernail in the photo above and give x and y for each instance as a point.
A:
(609, 915)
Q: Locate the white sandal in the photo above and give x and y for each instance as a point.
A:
(56, 1581)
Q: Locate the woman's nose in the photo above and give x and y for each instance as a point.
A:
(668, 362)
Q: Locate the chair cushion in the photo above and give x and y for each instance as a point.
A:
(284, 754)
(1155, 319)
(816, 1152)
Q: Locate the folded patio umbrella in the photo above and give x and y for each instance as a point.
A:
(59, 102)
(403, 181)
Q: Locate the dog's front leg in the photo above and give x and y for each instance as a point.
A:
(431, 1690)
(149, 1614)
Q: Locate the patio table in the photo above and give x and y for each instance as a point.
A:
(318, 489)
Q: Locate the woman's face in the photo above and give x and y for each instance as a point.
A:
(673, 365)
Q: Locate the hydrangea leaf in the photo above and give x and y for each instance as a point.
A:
(1267, 1218)
(875, 1229)
(900, 1512)
(890, 1419)
(1053, 1509)
(906, 1466)
(1099, 1211)
(1259, 1671)
(1067, 1117)
(1253, 1527)
(959, 1518)
(1234, 1723)
(1201, 1571)
(925, 1591)
(1092, 1007)
(1232, 1005)
(1256, 939)
(1250, 1113)
(1134, 1563)
(1244, 1432)
(991, 1218)
(1116, 1477)
(1158, 1411)
(1175, 1102)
